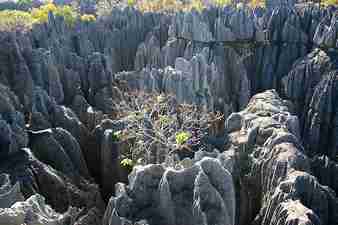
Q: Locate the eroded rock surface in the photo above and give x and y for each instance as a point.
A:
(63, 91)
(162, 195)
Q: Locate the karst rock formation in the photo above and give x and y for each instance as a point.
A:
(270, 71)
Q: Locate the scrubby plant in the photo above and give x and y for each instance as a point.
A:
(182, 137)
(127, 163)
(197, 5)
(15, 19)
(131, 3)
(330, 2)
(88, 18)
(40, 14)
(164, 120)
(68, 13)
(221, 3)
(257, 3)
(117, 136)
(159, 5)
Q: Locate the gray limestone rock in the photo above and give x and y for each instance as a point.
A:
(194, 195)
(9, 194)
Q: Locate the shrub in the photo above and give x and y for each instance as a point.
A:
(88, 18)
(257, 3)
(117, 136)
(221, 3)
(15, 19)
(330, 2)
(127, 163)
(40, 15)
(182, 137)
(131, 2)
(165, 120)
(68, 13)
(197, 4)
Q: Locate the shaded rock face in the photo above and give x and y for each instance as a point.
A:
(315, 101)
(201, 194)
(278, 181)
(60, 191)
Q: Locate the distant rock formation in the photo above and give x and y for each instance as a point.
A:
(58, 109)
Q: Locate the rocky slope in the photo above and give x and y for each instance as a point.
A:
(64, 92)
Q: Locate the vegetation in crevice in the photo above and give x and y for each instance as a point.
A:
(19, 19)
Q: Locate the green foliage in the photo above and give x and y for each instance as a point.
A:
(257, 3)
(117, 136)
(182, 137)
(197, 4)
(68, 13)
(131, 2)
(223, 2)
(127, 163)
(165, 120)
(40, 15)
(13, 19)
(330, 2)
(88, 18)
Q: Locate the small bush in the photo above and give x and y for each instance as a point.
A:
(117, 136)
(257, 3)
(15, 19)
(197, 4)
(131, 3)
(221, 3)
(88, 18)
(165, 120)
(330, 2)
(127, 163)
(40, 15)
(182, 137)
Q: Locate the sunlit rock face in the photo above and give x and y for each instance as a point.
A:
(201, 194)
(9, 193)
(279, 171)
(37, 211)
